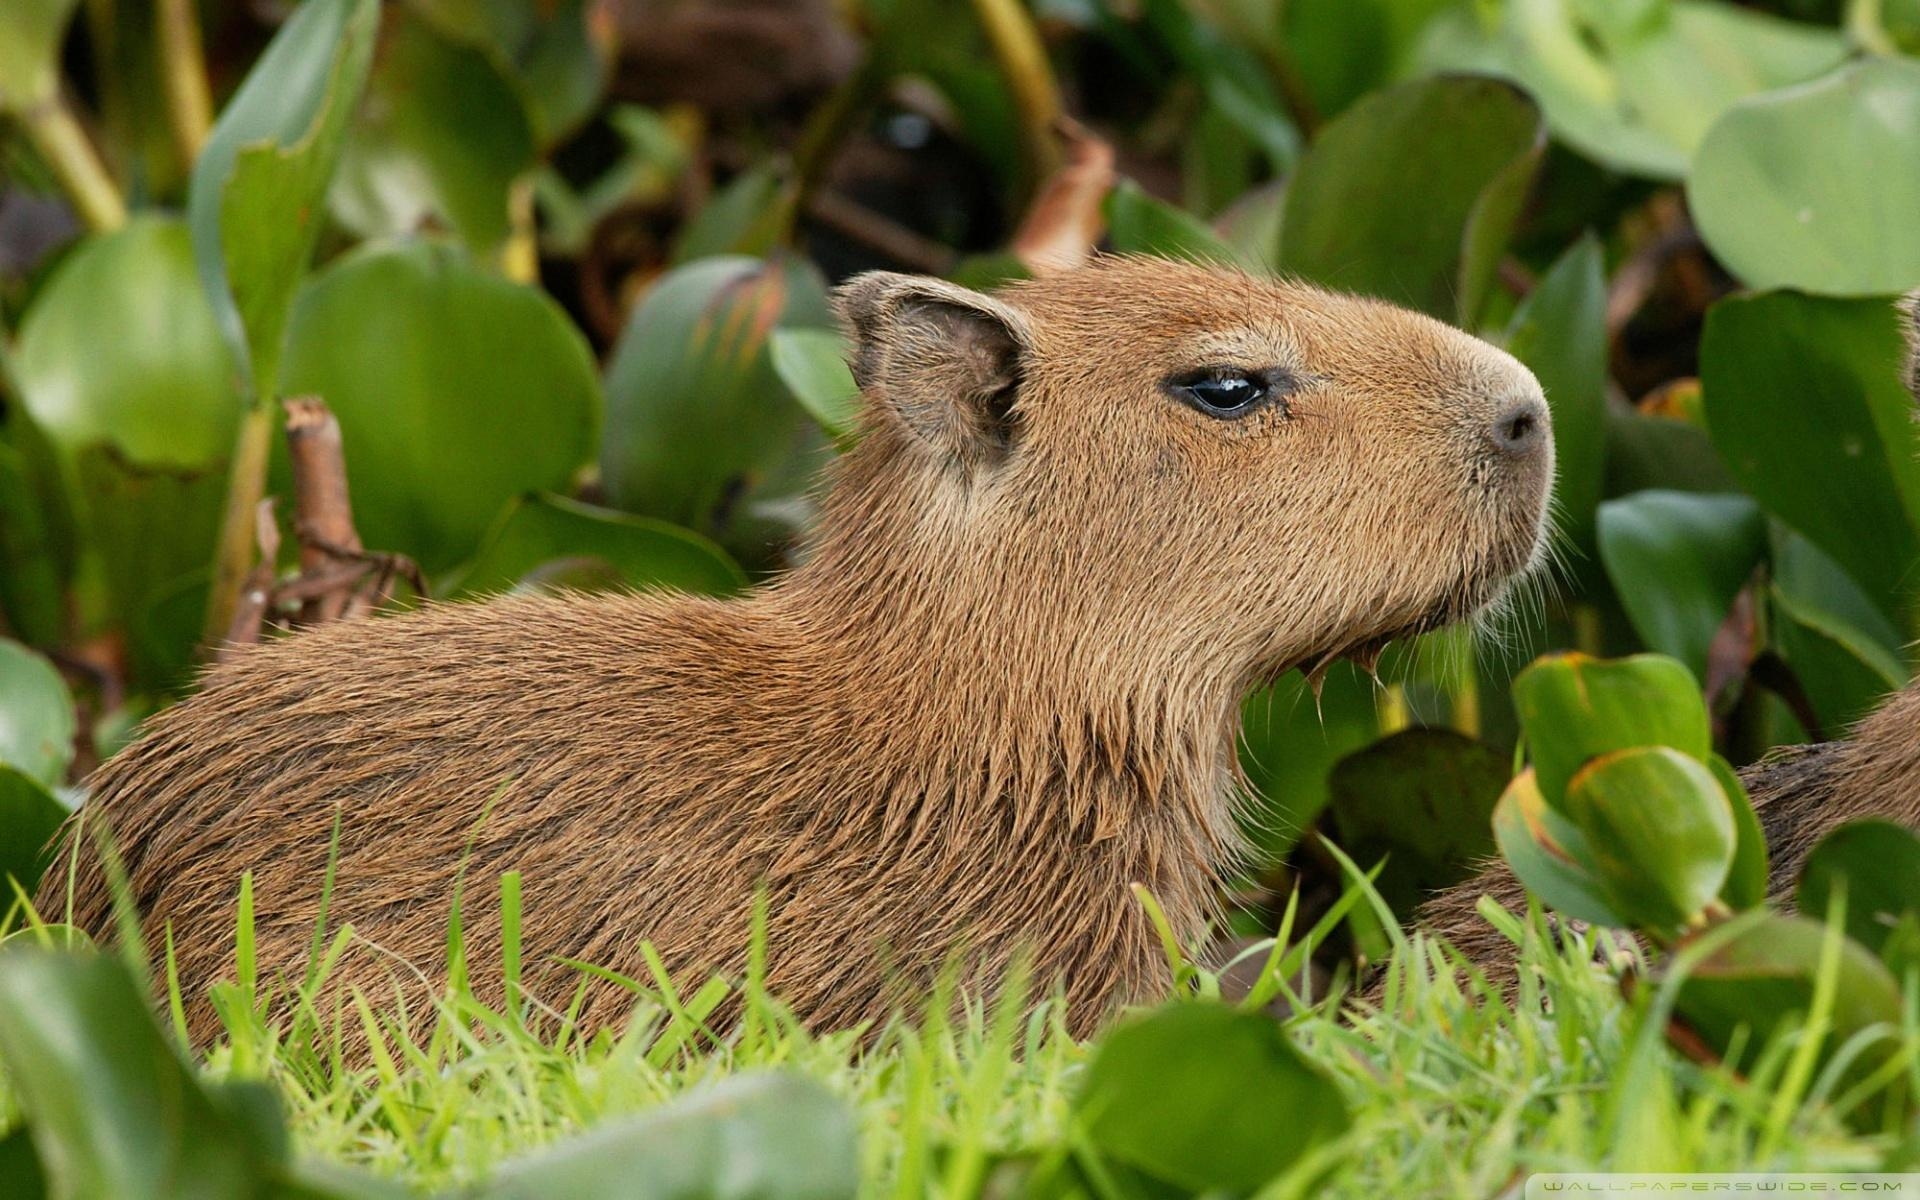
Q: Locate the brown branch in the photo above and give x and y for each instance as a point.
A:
(256, 597)
(322, 511)
(892, 239)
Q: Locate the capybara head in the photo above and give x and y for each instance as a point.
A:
(1249, 473)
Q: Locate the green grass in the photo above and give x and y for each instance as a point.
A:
(1455, 1089)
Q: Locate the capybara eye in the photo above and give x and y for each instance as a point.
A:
(1223, 392)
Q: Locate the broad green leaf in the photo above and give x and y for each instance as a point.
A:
(1634, 87)
(30, 37)
(1659, 831)
(1661, 452)
(695, 413)
(1574, 708)
(1206, 1098)
(1841, 646)
(112, 1109)
(1746, 885)
(1766, 975)
(1560, 333)
(771, 1136)
(1815, 187)
(160, 389)
(747, 216)
(1877, 864)
(1424, 799)
(30, 814)
(1549, 854)
(1412, 193)
(558, 54)
(1289, 741)
(456, 391)
(1139, 224)
(555, 540)
(1804, 402)
(1231, 75)
(442, 135)
(36, 715)
(1677, 560)
(813, 365)
(255, 201)
(35, 548)
(1343, 50)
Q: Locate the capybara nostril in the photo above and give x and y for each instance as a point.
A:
(1521, 427)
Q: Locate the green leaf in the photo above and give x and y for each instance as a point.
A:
(1574, 708)
(30, 814)
(1746, 885)
(1804, 402)
(1764, 978)
(442, 136)
(36, 538)
(1815, 187)
(1659, 831)
(1352, 222)
(1289, 742)
(30, 38)
(695, 412)
(255, 201)
(112, 1110)
(36, 715)
(1343, 50)
(1424, 798)
(1203, 1097)
(1634, 87)
(747, 216)
(160, 389)
(1139, 224)
(813, 365)
(1841, 646)
(771, 1136)
(548, 536)
(1549, 854)
(558, 54)
(1877, 863)
(1677, 560)
(1560, 333)
(456, 391)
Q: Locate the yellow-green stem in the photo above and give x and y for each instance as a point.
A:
(1036, 94)
(183, 71)
(57, 135)
(246, 483)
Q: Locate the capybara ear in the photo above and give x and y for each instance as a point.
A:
(945, 361)
(1909, 306)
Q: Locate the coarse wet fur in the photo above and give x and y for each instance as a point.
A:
(1800, 793)
(1003, 687)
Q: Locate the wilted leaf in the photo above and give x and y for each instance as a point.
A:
(769, 1136)
(1677, 560)
(695, 412)
(813, 365)
(1548, 854)
(1660, 833)
(1804, 401)
(1815, 187)
(1204, 1097)
(1575, 708)
(442, 134)
(1560, 333)
(1411, 194)
(255, 203)
(633, 552)
(36, 715)
(456, 391)
(1877, 863)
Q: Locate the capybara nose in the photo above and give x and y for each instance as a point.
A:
(1520, 429)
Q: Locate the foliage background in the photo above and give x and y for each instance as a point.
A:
(560, 268)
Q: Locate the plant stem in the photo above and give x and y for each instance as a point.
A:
(246, 483)
(520, 256)
(183, 71)
(57, 135)
(1036, 94)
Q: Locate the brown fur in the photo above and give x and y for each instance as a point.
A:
(1801, 794)
(1003, 687)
